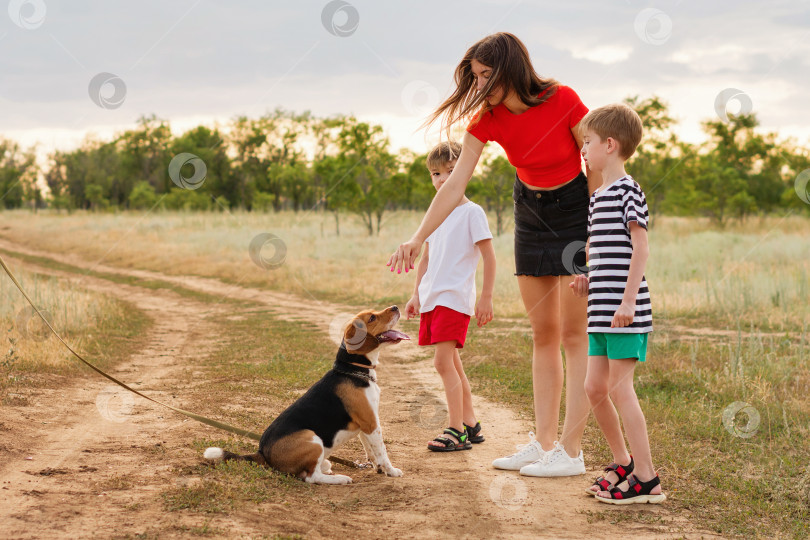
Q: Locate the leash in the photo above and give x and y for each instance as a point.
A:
(203, 419)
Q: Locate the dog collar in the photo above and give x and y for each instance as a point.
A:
(346, 357)
(357, 374)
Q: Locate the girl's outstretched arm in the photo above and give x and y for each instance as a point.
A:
(446, 199)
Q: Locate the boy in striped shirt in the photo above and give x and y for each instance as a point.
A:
(619, 314)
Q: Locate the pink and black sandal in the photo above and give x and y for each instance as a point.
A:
(637, 492)
(449, 445)
(603, 484)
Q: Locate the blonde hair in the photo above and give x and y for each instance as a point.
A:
(617, 121)
(442, 154)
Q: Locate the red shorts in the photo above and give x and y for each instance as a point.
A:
(443, 324)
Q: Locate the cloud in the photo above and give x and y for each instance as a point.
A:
(608, 54)
(204, 59)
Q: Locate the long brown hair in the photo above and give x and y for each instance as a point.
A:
(512, 70)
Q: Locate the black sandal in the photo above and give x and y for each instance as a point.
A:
(474, 433)
(637, 492)
(622, 471)
(450, 445)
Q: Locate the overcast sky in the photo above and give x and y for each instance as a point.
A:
(203, 61)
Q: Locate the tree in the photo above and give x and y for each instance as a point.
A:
(94, 163)
(208, 145)
(296, 180)
(273, 183)
(248, 141)
(32, 194)
(415, 188)
(795, 160)
(94, 194)
(368, 169)
(262, 202)
(494, 187)
(338, 164)
(327, 171)
(143, 196)
(17, 174)
(735, 158)
(264, 148)
(660, 161)
(144, 154)
(714, 189)
(328, 175)
(61, 202)
(287, 158)
(187, 199)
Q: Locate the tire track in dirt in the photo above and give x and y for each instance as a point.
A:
(88, 438)
(441, 490)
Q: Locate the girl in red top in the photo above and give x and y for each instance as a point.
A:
(535, 120)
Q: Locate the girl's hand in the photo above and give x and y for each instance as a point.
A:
(405, 256)
(580, 285)
(483, 311)
(412, 307)
(623, 316)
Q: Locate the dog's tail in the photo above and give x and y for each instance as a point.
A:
(215, 455)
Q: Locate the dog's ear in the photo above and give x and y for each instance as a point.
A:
(357, 338)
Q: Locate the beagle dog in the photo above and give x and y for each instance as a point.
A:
(343, 404)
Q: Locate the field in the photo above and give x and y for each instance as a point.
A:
(724, 391)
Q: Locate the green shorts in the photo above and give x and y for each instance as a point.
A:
(618, 346)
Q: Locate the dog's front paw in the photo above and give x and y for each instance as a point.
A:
(393, 471)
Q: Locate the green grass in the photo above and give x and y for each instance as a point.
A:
(205, 529)
(262, 360)
(730, 307)
(727, 484)
(732, 485)
(230, 485)
(265, 362)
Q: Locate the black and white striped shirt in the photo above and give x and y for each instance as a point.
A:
(610, 211)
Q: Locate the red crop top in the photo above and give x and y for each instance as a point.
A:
(539, 143)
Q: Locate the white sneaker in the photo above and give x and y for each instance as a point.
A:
(556, 463)
(528, 453)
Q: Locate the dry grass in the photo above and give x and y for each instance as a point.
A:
(74, 313)
(731, 310)
(756, 272)
(30, 356)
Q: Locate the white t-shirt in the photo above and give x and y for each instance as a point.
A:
(452, 259)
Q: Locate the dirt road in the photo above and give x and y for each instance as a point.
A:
(88, 461)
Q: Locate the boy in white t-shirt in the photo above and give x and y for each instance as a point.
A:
(445, 296)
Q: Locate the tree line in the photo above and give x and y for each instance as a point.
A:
(289, 161)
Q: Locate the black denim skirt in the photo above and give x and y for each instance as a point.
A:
(551, 228)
